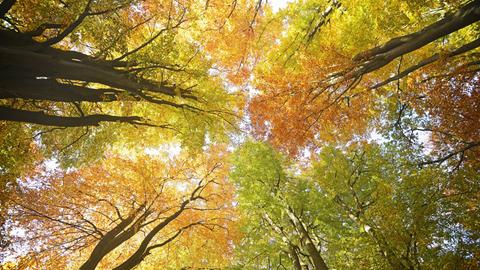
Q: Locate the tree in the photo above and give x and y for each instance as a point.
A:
(354, 209)
(81, 67)
(400, 207)
(49, 61)
(324, 80)
(284, 226)
(114, 215)
(181, 134)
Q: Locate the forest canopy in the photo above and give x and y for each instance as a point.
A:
(239, 134)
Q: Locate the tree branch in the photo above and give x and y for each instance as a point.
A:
(467, 47)
(41, 118)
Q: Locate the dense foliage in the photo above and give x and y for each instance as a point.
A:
(239, 134)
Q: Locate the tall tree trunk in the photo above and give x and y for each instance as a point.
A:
(142, 251)
(41, 118)
(51, 90)
(380, 56)
(312, 250)
(104, 245)
(295, 259)
(465, 48)
(30, 64)
(392, 258)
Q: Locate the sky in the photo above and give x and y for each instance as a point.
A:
(278, 4)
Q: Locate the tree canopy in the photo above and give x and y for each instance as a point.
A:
(239, 134)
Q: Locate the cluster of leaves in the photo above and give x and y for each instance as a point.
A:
(163, 47)
(63, 219)
(320, 82)
(366, 206)
(362, 134)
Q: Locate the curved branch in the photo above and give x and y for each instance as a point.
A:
(71, 27)
(454, 153)
(86, 12)
(146, 43)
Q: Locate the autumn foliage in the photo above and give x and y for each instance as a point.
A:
(73, 212)
(239, 134)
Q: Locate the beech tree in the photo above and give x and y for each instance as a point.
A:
(239, 134)
(353, 209)
(279, 232)
(75, 69)
(49, 59)
(327, 75)
(116, 214)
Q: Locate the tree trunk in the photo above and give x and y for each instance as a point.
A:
(387, 252)
(295, 259)
(51, 90)
(41, 118)
(380, 56)
(30, 64)
(467, 47)
(142, 251)
(104, 245)
(312, 250)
